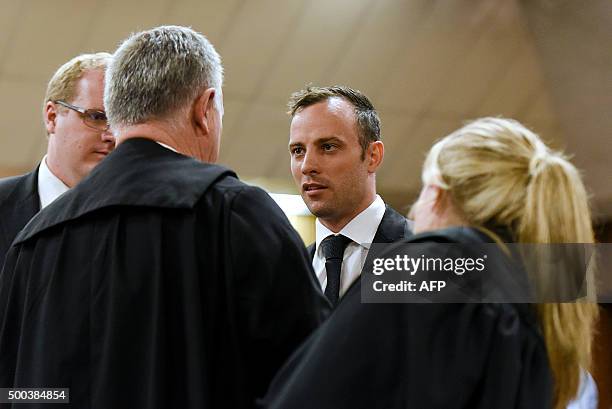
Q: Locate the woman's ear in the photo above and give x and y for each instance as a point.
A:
(436, 198)
(447, 210)
(432, 194)
(441, 199)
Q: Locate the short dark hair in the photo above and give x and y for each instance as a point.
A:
(368, 122)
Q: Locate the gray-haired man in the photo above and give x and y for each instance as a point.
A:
(160, 281)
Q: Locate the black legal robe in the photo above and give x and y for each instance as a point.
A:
(157, 282)
(422, 356)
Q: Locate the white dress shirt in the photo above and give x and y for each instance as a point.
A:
(361, 229)
(50, 187)
(587, 397)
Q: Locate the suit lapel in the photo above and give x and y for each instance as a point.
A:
(393, 227)
(311, 250)
(20, 206)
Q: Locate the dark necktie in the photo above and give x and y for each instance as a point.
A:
(333, 251)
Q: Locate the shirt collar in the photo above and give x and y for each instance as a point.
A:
(167, 146)
(361, 229)
(50, 187)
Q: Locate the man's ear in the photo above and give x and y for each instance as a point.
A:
(201, 112)
(374, 155)
(50, 116)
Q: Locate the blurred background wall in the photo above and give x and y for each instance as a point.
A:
(427, 65)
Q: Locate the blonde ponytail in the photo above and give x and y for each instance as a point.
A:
(557, 211)
(499, 173)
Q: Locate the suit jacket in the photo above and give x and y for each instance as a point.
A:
(19, 202)
(158, 281)
(435, 356)
(392, 227)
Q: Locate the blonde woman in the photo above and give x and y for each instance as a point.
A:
(492, 180)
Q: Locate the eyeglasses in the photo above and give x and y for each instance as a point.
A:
(91, 117)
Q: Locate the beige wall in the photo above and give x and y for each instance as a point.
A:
(305, 225)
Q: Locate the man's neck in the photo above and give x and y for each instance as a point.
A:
(173, 139)
(50, 187)
(152, 131)
(56, 171)
(338, 223)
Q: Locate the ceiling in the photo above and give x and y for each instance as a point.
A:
(427, 66)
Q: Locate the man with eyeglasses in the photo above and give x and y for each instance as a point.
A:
(78, 139)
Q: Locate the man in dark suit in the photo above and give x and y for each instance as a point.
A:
(79, 139)
(160, 281)
(335, 150)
